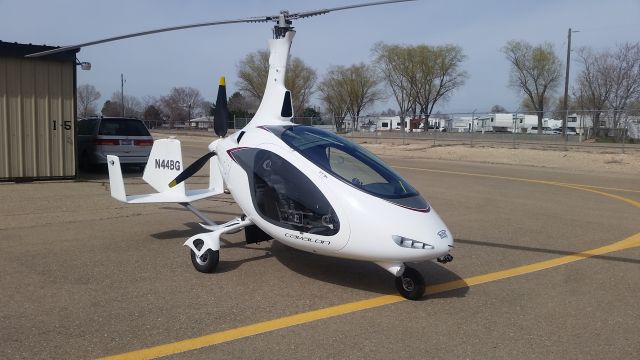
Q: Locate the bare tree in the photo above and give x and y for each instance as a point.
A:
(626, 79)
(181, 104)
(151, 111)
(333, 95)
(389, 112)
(360, 84)
(420, 76)
(633, 108)
(497, 109)
(111, 108)
(439, 74)
(594, 83)
(396, 66)
(527, 107)
(87, 96)
(207, 108)
(241, 106)
(300, 79)
(132, 106)
(252, 74)
(558, 106)
(536, 71)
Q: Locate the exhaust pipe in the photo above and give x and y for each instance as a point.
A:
(445, 259)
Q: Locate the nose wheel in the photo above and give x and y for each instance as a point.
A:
(410, 284)
(208, 261)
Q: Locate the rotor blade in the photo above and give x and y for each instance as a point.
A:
(221, 115)
(192, 169)
(142, 33)
(256, 19)
(306, 14)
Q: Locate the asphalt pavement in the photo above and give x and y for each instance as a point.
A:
(84, 276)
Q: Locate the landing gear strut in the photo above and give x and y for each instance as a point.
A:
(410, 284)
(205, 247)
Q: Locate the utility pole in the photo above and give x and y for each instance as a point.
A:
(566, 86)
(122, 92)
(473, 115)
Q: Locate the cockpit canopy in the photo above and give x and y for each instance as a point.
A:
(351, 164)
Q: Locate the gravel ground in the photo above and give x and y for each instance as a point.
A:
(587, 159)
(574, 160)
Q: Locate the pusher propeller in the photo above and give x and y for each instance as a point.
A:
(192, 169)
(221, 115)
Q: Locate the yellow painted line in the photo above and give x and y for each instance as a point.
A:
(306, 317)
(556, 183)
(628, 243)
(628, 201)
(258, 328)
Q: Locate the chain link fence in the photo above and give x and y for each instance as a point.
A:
(600, 130)
(616, 131)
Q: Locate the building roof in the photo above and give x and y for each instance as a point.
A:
(14, 49)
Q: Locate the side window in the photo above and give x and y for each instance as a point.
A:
(284, 196)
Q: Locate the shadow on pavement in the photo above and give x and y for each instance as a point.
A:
(101, 173)
(360, 274)
(546, 251)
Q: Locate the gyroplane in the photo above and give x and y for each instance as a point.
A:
(303, 186)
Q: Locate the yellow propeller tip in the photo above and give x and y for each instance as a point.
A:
(222, 81)
(173, 183)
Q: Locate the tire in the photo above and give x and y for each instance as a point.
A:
(85, 162)
(207, 262)
(410, 284)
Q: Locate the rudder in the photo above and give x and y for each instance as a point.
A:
(164, 164)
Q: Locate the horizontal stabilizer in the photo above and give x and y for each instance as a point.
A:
(173, 195)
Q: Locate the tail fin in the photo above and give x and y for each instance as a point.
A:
(116, 183)
(164, 164)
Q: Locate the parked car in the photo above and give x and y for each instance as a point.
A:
(126, 138)
(570, 131)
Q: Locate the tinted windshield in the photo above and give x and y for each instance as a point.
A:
(346, 161)
(123, 127)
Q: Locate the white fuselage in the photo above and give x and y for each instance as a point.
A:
(370, 228)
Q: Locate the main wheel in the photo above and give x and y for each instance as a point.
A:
(410, 284)
(207, 262)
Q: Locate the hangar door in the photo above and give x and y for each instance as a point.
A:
(37, 115)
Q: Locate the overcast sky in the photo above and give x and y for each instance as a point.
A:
(152, 65)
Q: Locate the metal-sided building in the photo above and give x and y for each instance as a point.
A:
(37, 113)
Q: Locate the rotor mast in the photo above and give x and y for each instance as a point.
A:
(283, 25)
(276, 107)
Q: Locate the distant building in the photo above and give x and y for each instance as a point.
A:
(203, 122)
(386, 123)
